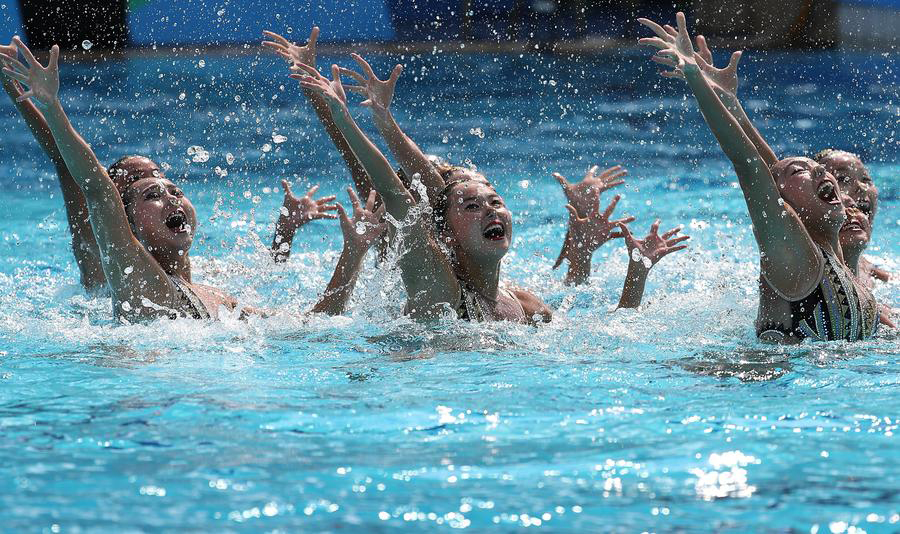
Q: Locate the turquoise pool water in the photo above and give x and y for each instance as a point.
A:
(668, 418)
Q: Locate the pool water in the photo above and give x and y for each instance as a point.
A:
(671, 417)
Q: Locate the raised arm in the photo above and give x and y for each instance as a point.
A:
(306, 55)
(643, 254)
(379, 94)
(294, 213)
(584, 196)
(790, 260)
(133, 275)
(426, 272)
(84, 246)
(725, 83)
(360, 231)
(586, 234)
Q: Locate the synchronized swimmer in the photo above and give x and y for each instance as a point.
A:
(132, 228)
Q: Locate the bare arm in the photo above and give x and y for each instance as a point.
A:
(725, 84)
(370, 222)
(84, 246)
(133, 275)
(294, 213)
(587, 234)
(643, 254)
(379, 94)
(426, 272)
(790, 260)
(306, 55)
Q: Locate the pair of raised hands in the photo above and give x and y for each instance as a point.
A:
(378, 93)
(360, 230)
(675, 50)
(42, 82)
(590, 228)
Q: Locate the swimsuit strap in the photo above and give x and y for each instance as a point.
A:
(194, 304)
(470, 308)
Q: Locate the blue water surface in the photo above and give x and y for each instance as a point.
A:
(671, 417)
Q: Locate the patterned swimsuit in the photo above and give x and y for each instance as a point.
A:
(836, 309)
(194, 304)
(471, 309)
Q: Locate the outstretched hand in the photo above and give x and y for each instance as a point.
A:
(10, 51)
(584, 196)
(366, 225)
(676, 47)
(294, 54)
(42, 82)
(301, 210)
(332, 90)
(592, 231)
(724, 81)
(378, 93)
(649, 250)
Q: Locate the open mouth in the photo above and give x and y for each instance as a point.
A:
(177, 222)
(827, 192)
(852, 225)
(495, 231)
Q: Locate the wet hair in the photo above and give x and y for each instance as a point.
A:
(822, 155)
(122, 177)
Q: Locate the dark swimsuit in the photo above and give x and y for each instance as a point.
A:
(194, 304)
(836, 309)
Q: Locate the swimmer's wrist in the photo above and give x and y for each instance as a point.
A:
(691, 68)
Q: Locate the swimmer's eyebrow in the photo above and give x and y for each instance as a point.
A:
(151, 186)
(467, 199)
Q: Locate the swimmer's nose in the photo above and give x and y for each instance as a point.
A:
(849, 202)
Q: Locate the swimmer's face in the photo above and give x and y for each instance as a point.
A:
(857, 229)
(162, 218)
(854, 180)
(811, 191)
(478, 222)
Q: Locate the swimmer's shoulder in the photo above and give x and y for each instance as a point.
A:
(532, 305)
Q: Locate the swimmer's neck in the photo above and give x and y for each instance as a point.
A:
(484, 279)
(830, 242)
(174, 265)
(852, 256)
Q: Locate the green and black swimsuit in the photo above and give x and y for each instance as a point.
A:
(836, 309)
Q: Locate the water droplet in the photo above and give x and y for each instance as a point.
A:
(636, 255)
(220, 172)
(198, 154)
(278, 139)
(267, 147)
(229, 158)
(129, 269)
(248, 194)
(201, 63)
(125, 305)
(361, 228)
(86, 44)
(220, 12)
(182, 96)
